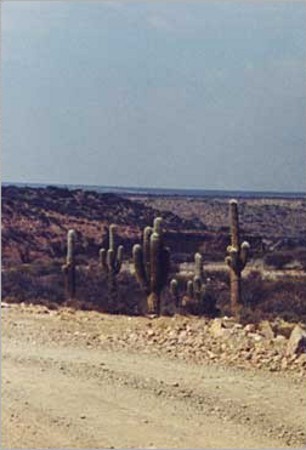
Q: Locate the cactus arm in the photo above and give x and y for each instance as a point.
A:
(70, 246)
(165, 263)
(197, 284)
(112, 229)
(102, 257)
(190, 292)
(118, 260)
(174, 287)
(110, 259)
(244, 254)
(69, 268)
(146, 250)
(198, 260)
(175, 292)
(157, 227)
(139, 265)
(234, 223)
(155, 254)
(233, 258)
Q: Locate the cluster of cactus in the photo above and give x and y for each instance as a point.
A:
(152, 265)
(196, 288)
(69, 269)
(111, 263)
(236, 259)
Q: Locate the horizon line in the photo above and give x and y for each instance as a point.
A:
(125, 188)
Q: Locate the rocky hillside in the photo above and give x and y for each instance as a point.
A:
(35, 221)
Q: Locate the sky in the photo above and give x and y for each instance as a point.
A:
(177, 94)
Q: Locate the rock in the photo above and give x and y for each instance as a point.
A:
(5, 305)
(256, 337)
(280, 338)
(265, 329)
(218, 330)
(282, 328)
(228, 322)
(297, 342)
(302, 360)
(250, 328)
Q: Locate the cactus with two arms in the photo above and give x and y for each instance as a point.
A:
(111, 263)
(152, 265)
(237, 258)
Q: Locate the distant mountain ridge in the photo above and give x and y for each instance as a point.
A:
(208, 193)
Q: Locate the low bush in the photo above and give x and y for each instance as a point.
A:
(267, 299)
(278, 260)
(44, 284)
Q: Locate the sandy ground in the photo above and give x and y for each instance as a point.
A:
(61, 389)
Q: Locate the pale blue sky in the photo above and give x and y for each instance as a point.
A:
(155, 94)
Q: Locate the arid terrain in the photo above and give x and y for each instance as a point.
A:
(87, 380)
(83, 372)
(35, 222)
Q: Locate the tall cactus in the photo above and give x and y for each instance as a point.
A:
(111, 263)
(69, 268)
(236, 259)
(152, 264)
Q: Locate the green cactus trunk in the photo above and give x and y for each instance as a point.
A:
(175, 293)
(112, 292)
(235, 281)
(236, 259)
(111, 263)
(69, 268)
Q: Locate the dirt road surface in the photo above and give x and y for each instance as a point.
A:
(64, 387)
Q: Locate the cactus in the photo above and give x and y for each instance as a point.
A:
(196, 288)
(111, 262)
(236, 259)
(175, 292)
(69, 268)
(199, 290)
(152, 265)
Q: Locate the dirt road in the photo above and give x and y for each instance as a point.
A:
(59, 392)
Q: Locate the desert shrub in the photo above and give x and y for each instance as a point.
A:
(250, 315)
(206, 307)
(300, 255)
(23, 286)
(91, 287)
(130, 295)
(278, 260)
(44, 284)
(254, 289)
(266, 299)
(286, 299)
